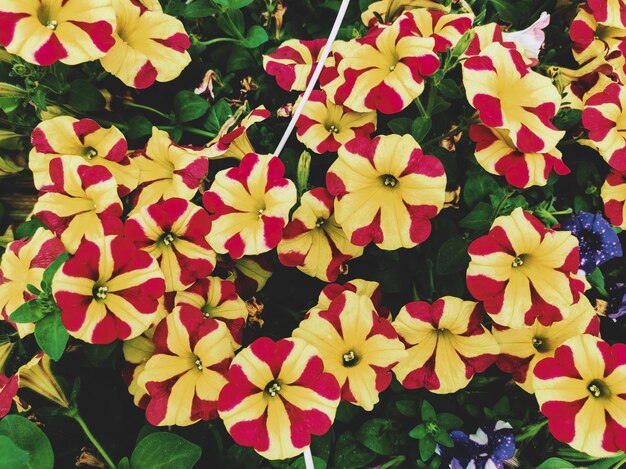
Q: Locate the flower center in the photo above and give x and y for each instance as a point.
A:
(52, 24)
(101, 292)
(272, 388)
(598, 389)
(198, 364)
(168, 238)
(540, 344)
(389, 180)
(206, 311)
(518, 261)
(320, 222)
(333, 129)
(350, 358)
(89, 153)
(261, 212)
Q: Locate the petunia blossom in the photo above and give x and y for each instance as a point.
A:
(390, 10)
(249, 273)
(109, 290)
(590, 39)
(522, 271)
(610, 13)
(249, 206)
(292, 63)
(582, 391)
(313, 241)
(149, 45)
(508, 95)
(234, 143)
(371, 290)
(530, 40)
(44, 32)
(187, 370)
(445, 29)
(174, 232)
(613, 194)
(23, 264)
(277, 396)
(387, 190)
(87, 142)
(446, 344)
(137, 352)
(358, 347)
(521, 349)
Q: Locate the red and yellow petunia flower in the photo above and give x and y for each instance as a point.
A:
(508, 95)
(292, 64)
(149, 45)
(249, 273)
(37, 376)
(188, 369)
(446, 344)
(109, 290)
(387, 191)
(497, 154)
(167, 170)
(590, 39)
(22, 264)
(613, 194)
(277, 396)
(249, 206)
(390, 10)
(582, 391)
(84, 139)
(82, 201)
(137, 352)
(235, 143)
(445, 29)
(324, 126)
(610, 13)
(604, 116)
(216, 298)
(358, 347)
(313, 241)
(523, 271)
(362, 287)
(521, 349)
(174, 232)
(44, 32)
(383, 71)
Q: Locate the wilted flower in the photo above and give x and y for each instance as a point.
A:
(582, 391)
(488, 448)
(597, 241)
(446, 344)
(249, 206)
(613, 194)
(109, 290)
(523, 271)
(521, 349)
(206, 85)
(88, 143)
(174, 232)
(313, 241)
(387, 191)
(531, 39)
(293, 63)
(277, 396)
(37, 376)
(149, 46)
(188, 369)
(43, 32)
(358, 347)
(23, 263)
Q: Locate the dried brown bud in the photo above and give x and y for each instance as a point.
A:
(255, 309)
(89, 457)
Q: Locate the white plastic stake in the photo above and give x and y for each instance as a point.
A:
(308, 458)
(316, 74)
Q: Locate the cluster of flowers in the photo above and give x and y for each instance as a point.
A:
(153, 267)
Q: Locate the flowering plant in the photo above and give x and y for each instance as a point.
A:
(235, 233)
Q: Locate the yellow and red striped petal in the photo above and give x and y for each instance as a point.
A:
(390, 10)
(235, 143)
(109, 290)
(613, 194)
(44, 32)
(582, 391)
(610, 13)
(249, 206)
(248, 273)
(188, 369)
(84, 138)
(590, 40)
(523, 271)
(174, 232)
(81, 202)
(445, 29)
(137, 352)
(23, 263)
(446, 344)
(387, 190)
(371, 290)
(497, 154)
(358, 346)
(313, 241)
(508, 95)
(149, 46)
(292, 64)
(277, 396)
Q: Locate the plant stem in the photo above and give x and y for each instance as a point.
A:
(216, 40)
(420, 106)
(147, 108)
(76, 416)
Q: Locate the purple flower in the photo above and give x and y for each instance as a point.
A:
(488, 448)
(617, 300)
(597, 240)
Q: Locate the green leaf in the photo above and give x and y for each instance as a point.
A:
(84, 96)
(479, 218)
(199, 9)
(555, 463)
(374, 434)
(452, 256)
(400, 125)
(51, 335)
(596, 279)
(27, 229)
(350, 454)
(232, 23)
(188, 106)
(449, 89)
(406, 408)
(427, 448)
(233, 4)
(28, 437)
(420, 127)
(218, 114)
(567, 118)
(443, 438)
(123, 464)
(449, 421)
(255, 37)
(164, 451)
(33, 289)
(31, 311)
(11, 455)
(52, 269)
(138, 126)
(419, 432)
(428, 412)
(478, 186)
